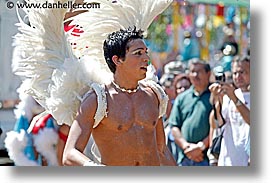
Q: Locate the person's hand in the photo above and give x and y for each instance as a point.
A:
(215, 89)
(228, 89)
(194, 153)
(216, 92)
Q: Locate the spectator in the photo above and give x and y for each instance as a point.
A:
(189, 118)
(171, 70)
(166, 81)
(180, 84)
(235, 147)
(216, 122)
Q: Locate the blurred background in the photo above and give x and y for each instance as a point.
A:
(214, 30)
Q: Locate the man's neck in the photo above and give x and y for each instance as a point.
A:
(199, 91)
(125, 83)
(245, 89)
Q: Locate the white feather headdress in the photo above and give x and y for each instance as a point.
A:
(47, 64)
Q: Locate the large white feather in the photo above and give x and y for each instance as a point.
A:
(42, 47)
(41, 50)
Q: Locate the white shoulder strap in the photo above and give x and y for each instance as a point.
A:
(162, 97)
(101, 110)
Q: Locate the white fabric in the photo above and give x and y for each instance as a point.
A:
(237, 133)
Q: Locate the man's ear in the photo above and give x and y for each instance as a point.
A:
(116, 60)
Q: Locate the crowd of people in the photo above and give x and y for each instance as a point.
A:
(191, 122)
(137, 120)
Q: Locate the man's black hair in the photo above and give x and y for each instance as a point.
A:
(116, 44)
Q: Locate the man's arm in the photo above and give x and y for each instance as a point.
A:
(179, 140)
(166, 157)
(229, 90)
(80, 132)
(191, 150)
(244, 111)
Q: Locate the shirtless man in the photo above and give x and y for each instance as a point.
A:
(131, 133)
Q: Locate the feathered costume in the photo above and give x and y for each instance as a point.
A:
(58, 76)
(21, 145)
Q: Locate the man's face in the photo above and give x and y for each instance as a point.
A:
(241, 74)
(136, 59)
(198, 76)
(182, 85)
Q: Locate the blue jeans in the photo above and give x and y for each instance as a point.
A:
(172, 146)
(188, 162)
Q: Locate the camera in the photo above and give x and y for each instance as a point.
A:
(219, 74)
(220, 77)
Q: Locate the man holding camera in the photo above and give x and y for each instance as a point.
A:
(235, 97)
(189, 118)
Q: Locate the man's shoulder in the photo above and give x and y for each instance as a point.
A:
(95, 103)
(157, 91)
(89, 100)
(153, 88)
(96, 93)
(186, 94)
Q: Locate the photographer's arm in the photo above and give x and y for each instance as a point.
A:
(244, 111)
(242, 108)
(229, 90)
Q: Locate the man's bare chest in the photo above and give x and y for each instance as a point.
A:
(125, 112)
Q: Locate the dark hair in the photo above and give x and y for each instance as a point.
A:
(116, 44)
(180, 77)
(193, 61)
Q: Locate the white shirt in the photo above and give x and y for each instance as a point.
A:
(235, 146)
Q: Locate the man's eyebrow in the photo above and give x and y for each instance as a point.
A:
(140, 49)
